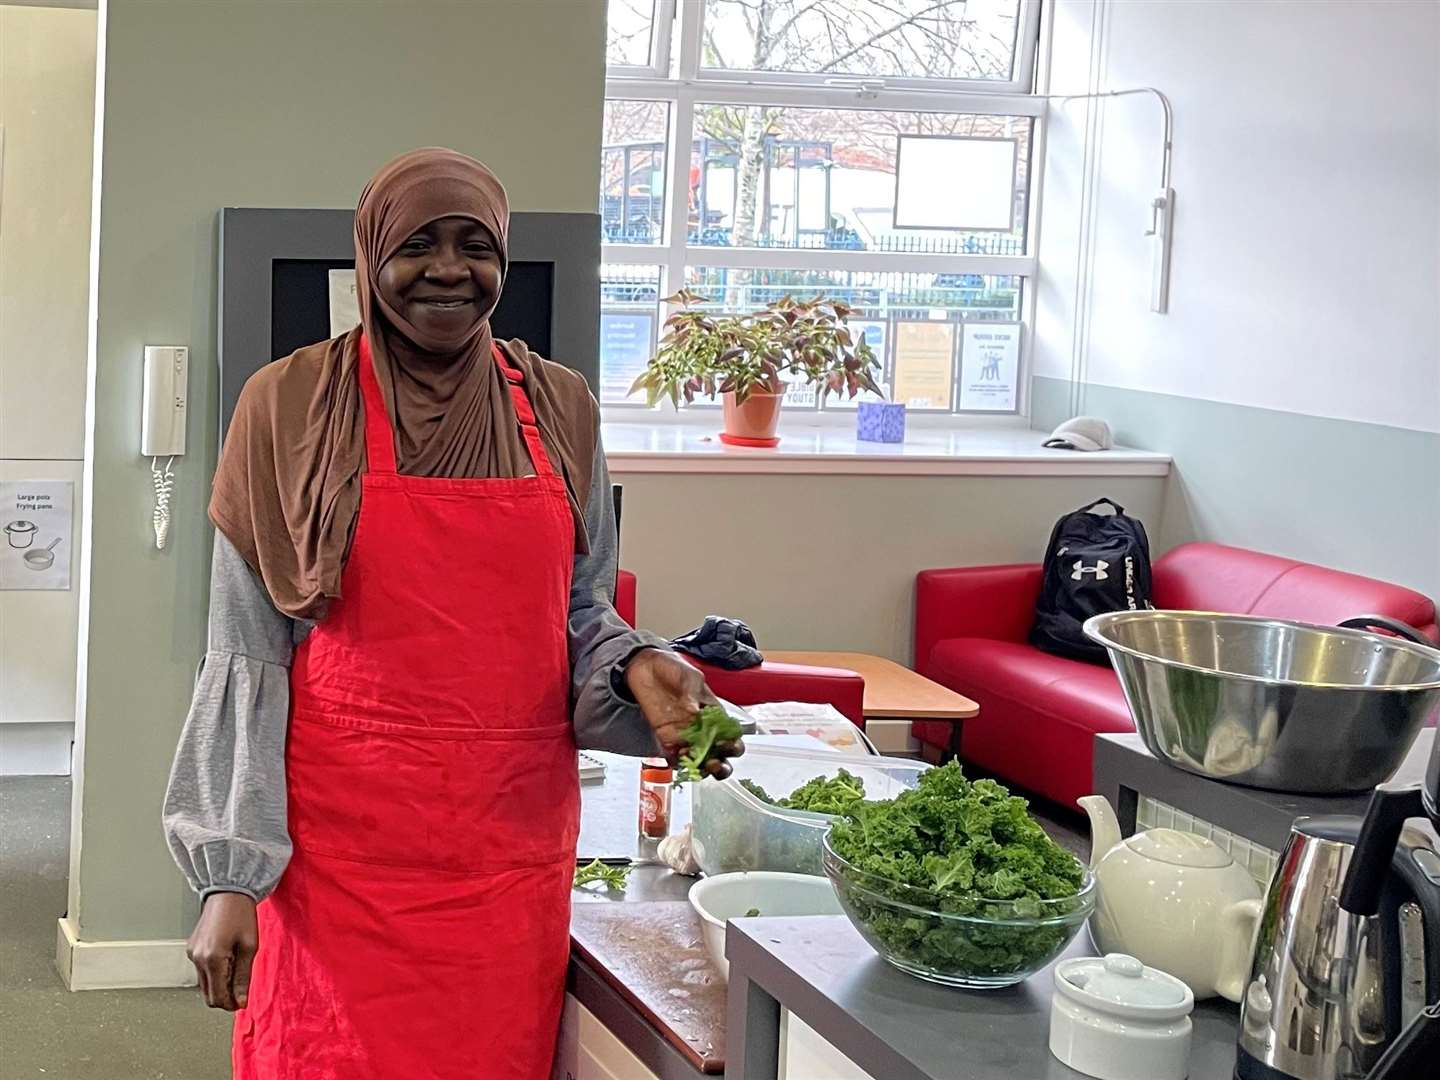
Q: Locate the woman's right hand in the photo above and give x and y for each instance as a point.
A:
(223, 947)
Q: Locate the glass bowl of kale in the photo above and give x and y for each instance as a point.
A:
(954, 882)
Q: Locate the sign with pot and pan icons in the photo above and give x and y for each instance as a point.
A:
(37, 523)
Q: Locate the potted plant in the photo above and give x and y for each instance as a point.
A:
(745, 359)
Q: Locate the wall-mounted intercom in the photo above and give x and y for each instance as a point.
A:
(162, 424)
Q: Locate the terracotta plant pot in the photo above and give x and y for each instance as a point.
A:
(752, 423)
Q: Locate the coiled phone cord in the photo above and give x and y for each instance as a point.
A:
(164, 485)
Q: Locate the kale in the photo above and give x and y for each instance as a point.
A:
(962, 848)
(821, 795)
(740, 841)
(826, 794)
(712, 726)
(614, 877)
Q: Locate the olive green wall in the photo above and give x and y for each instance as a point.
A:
(271, 104)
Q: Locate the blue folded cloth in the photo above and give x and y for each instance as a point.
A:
(726, 643)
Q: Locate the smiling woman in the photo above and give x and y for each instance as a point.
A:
(445, 278)
(411, 628)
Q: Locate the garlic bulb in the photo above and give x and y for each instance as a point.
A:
(677, 852)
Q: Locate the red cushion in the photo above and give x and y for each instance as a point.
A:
(790, 682)
(1039, 714)
(1213, 577)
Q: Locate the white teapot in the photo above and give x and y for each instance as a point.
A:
(1175, 901)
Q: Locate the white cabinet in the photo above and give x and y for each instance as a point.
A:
(804, 1055)
(590, 1051)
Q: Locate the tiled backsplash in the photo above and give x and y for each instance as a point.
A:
(1260, 861)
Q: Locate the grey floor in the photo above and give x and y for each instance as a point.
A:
(49, 1033)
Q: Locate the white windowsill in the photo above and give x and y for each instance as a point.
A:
(695, 447)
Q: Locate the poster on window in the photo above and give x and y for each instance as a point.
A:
(344, 304)
(37, 520)
(989, 367)
(924, 355)
(627, 340)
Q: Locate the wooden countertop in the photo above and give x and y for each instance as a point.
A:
(892, 691)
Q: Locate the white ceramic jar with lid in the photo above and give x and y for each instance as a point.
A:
(1116, 1019)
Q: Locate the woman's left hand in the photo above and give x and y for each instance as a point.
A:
(670, 692)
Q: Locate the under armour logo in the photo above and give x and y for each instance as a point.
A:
(1098, 570)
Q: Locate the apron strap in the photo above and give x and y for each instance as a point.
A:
(524, 413)
(379, 435)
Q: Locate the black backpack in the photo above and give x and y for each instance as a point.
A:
(1094, 563)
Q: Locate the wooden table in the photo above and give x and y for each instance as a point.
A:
(893, 691)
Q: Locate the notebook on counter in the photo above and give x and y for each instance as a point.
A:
(592, 770)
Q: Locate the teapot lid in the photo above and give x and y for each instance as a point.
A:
(1179, 849)
(1121, 985)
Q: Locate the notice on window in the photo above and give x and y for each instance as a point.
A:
(924, 354)
(800, 394)
(344, 303)
(989, 367)
(37, 519)
(955, 182)
(626, 341)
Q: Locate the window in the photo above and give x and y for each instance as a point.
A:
(904, 40)
(879, 151)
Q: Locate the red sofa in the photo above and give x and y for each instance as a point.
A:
(770, 681)
(1039, 714)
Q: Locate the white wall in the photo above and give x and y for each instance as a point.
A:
(1306, 267)
(1295, 380)
(47, 100)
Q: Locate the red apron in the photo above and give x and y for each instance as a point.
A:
(421, 930)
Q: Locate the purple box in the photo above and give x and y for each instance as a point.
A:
(880, 421)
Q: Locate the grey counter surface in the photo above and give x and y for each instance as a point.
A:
(609, 828)
(1124, 770)
(897, 1027)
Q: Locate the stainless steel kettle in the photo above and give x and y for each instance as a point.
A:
(1415, 1054)
(1330, 990)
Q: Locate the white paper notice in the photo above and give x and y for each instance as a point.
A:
(344, 304)
(38, 524)
(989, 366)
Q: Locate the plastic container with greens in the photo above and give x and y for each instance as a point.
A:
(735, 829)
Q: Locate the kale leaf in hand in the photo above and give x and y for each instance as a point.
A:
(712, 726)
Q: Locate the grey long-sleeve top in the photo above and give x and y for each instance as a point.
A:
(224, 812)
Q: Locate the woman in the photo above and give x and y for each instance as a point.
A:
(416, 521)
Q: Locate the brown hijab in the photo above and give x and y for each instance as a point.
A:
(287, 489)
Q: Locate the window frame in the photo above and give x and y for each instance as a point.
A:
(661, 33)
(1021, 76)
(690, 86)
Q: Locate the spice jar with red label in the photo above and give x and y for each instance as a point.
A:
(656, 780)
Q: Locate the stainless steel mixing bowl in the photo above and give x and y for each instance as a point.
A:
(1269, 703)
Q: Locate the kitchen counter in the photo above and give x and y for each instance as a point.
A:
(896, 1027)
(1125, 770)
(637, 962)
(639, 967)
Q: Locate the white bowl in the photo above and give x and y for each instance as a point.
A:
(731, 896)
